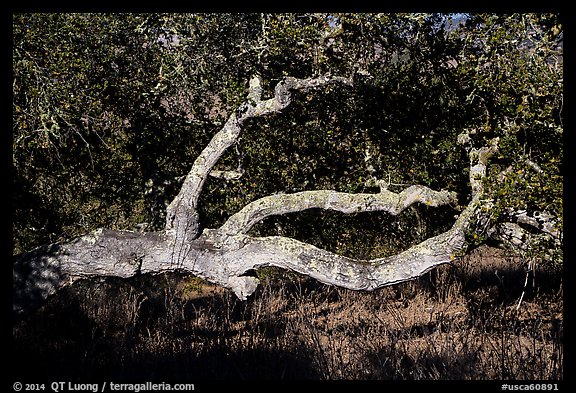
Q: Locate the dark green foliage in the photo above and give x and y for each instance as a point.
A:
(110, 110)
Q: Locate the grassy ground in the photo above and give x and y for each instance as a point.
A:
(457, 322)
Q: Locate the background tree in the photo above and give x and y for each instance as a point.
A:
(111, 110)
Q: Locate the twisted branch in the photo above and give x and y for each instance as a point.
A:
(385, 201)
(182, 221)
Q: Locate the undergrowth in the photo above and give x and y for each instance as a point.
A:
(460, 321)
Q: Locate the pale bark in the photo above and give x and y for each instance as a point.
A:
(182, 219)
(227, 256)
(219, 258)
(539, 221)
(182, 213)
(385, 201)
(226, 175)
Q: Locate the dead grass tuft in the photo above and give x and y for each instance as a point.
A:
(457, 322)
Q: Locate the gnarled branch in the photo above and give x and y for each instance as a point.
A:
(385, 201)
(539, 221)
(334, 269)
(181, 215)
(227, 256)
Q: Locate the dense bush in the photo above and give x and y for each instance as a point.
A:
(110, 110)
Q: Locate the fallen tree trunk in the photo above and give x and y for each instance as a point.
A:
(218, 257)
(228, 256)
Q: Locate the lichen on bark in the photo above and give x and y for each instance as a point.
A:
(227, 255)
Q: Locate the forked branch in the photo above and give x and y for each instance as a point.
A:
(228, 256)
(182, 221)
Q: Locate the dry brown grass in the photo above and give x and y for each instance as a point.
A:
(457, 322)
